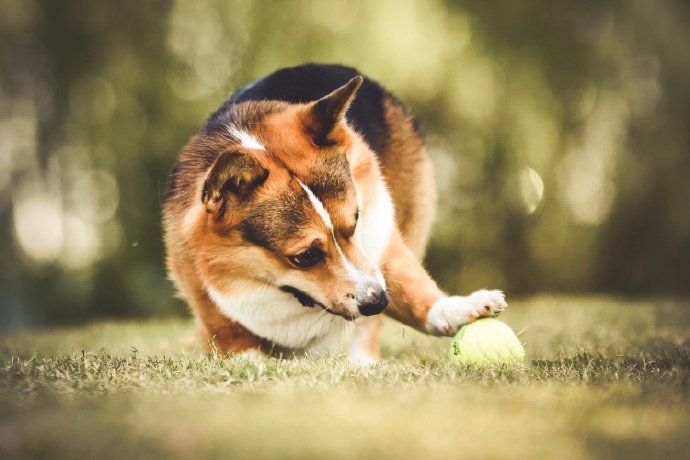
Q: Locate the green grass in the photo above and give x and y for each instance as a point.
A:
(605, 379)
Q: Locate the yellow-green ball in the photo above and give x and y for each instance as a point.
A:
(485, 342)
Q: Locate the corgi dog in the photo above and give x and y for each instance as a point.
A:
(300, 214)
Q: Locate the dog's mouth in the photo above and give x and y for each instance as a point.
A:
(308, 301)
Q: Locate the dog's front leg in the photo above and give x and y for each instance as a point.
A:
(417, 301)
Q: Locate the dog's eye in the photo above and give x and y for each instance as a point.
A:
(347, 234)
(307, 259)
(351, 231)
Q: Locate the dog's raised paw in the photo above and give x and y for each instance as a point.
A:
(450, 313)
(488, 303)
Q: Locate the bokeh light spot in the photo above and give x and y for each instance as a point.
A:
(38, 227)
(81, 244)
(95, 196)
(531, 189)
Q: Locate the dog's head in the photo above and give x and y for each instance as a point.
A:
(281, 206)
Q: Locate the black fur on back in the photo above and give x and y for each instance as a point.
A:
(310, 82)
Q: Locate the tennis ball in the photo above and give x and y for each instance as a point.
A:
(487, 341)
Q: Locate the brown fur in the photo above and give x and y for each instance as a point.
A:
(203, 219)
(409, 176)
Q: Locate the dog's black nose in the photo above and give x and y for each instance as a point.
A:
(375, 302)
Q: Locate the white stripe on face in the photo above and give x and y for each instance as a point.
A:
(318, 205)
(357, 277)
(246, 139)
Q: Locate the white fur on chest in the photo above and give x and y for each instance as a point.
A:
(377, 223)
(277, 316)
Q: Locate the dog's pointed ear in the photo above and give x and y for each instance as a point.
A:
(325, 115)
(230, 181)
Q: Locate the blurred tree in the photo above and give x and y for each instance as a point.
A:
(559, 131)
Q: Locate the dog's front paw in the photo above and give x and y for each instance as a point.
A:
(488, 303)
(450, 313)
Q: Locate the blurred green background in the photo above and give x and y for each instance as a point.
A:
(559, 130)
